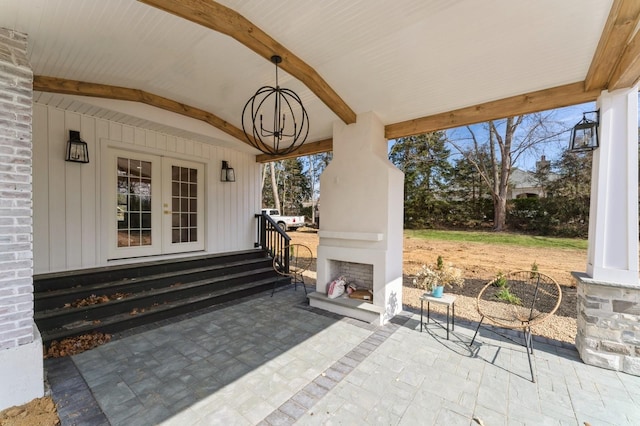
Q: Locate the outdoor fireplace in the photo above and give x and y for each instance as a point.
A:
(361, 228)
(360, 274)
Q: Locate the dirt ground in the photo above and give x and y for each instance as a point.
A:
(480, 263)
(38, 412)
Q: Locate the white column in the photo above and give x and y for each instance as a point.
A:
(613, 219)
(609, 293)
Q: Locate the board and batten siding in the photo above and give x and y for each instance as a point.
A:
(68, 224)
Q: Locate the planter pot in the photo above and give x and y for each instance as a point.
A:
(437, 291)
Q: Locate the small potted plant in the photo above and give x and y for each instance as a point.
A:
(435, 278)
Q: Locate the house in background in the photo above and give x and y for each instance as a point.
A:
(527, 184)
(156, 89)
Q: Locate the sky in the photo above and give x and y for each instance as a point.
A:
(563, 120)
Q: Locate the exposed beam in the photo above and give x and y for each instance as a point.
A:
(620, 25)
(541, 100)
(82, 88)
(220, 18)
(306, 149)
(627, 73)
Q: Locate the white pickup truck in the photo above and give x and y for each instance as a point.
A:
(285, 222)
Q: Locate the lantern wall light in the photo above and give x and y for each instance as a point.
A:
(227, 174)
(274, 119)
(77, 149)
(584, 136)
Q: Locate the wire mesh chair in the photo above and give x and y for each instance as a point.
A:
(518, 300)
(292, 261)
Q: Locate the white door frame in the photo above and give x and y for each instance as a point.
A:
(161, 213)
(168, 213)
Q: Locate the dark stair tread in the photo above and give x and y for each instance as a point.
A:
(110, 268)
(108, 322)
(141, 295)
(73, 278)
(43, 295)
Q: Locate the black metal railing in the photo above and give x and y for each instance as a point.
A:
(273, 240)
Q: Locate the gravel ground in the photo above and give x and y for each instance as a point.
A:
(557, 327)
(480, 263)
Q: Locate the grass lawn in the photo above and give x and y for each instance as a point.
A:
(501, 238)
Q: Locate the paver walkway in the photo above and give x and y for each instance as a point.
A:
(273, 360)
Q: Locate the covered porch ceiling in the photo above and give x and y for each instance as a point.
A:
(420, 65)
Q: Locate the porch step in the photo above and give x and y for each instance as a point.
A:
(52, 299)
(147, 292)
(69, 279)
(125, 321)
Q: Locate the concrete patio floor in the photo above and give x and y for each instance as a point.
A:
(276, 361)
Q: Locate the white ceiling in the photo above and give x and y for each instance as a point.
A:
(402, 59)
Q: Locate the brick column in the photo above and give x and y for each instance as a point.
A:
(20, 343)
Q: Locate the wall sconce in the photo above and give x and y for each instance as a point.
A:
(77, 149)
(227, 174)
(584, 136)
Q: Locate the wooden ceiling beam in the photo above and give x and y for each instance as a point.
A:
(220, 18)
(622, 21)
(627, 72)
(541, 100)
(82, 88)
(306, 149)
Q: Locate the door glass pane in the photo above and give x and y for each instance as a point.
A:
(133, 198)
(146, 220)
(184, 201)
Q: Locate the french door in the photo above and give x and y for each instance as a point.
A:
(158, 203)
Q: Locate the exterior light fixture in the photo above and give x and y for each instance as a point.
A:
(274, 119)
(77, 149)
(584, 136)
(227, 174)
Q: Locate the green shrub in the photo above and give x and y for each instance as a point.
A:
(506, 296)
(500, 281)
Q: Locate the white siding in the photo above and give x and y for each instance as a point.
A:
(68, 225)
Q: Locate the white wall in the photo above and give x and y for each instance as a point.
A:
(66, 196)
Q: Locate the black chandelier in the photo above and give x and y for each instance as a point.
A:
(284, 109)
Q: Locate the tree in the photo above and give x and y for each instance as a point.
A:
(424, 161)
(574, 175)
(542, 174)
(495, 151)
(270, 197)
(287, 187)
(294, 186)
(271, 200)
(316, 164)
(468, 193)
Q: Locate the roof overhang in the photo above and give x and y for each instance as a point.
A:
(419, 65)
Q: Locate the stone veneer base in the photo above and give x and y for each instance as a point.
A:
(608, 324)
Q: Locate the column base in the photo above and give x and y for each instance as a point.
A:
(22, 372)
(608, 324)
